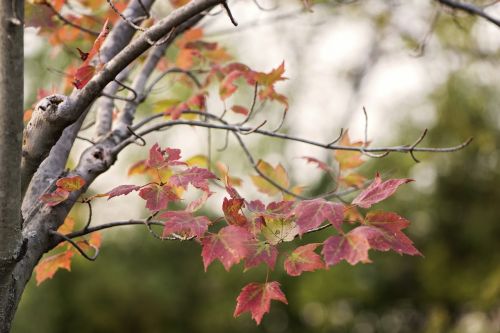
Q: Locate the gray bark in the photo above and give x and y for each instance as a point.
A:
(11, 127)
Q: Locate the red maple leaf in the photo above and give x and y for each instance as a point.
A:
(231, 209)
(198, 177)
(351, 247)
(383, 232)
(256, 299)
(122, 190)
(158, 160)
(261, 252)
(184, 223)
(275, 209)
(157, 197)
(303, 259)
(85, 72)
(229, 245)
(83, 75)
(311, 213)
(378, 191)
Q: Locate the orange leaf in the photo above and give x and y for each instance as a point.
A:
(49, 265)
(71, 184)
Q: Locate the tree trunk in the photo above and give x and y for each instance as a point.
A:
(11, 128)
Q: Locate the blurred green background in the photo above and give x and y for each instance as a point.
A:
(139, 284)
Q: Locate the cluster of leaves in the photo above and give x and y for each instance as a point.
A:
(249, 231)
(253, 230)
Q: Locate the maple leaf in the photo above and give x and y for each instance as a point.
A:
(83, 75)
(158, 160)
(122, 190)
(277, 174)
(229, 245)
(303, 259)
(71, 184)
(311, 213)
(383, 232)
(55, 198)
(184, 223)
(275, 209)
(198, 177)
(278, 230)
(85, 72)
(99, 41)
(48, 266)
(157, 197)
(349, 159)
(261, 252)
(378, 191)
(275, 75)
(351, 247)
(256, 299)
(231, 209)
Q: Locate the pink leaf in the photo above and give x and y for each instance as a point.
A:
(157, 197)
(256, 299)
(383, 232)
(311, 213)
(122, 190)
(198, 177)
(261, 252)
(378, 191)
(229, 245)
(55, 198)
(184, 223)
(158, 160)
(352, 248)
(303, 259)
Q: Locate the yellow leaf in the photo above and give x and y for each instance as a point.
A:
(277, 174)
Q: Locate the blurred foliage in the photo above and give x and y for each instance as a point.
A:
(139, 284)
(142, 285)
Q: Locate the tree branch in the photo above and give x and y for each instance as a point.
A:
(470, 9)
(67, 110)
(245, 129)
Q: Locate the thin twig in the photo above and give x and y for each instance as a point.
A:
(142, 140)
(68, 22)
(85, 139)
(254, 101)
(89, 219)
(338, 137)
(235, 128)
(471, 9)
(424, 133)
(228, 11)
(76, 246)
